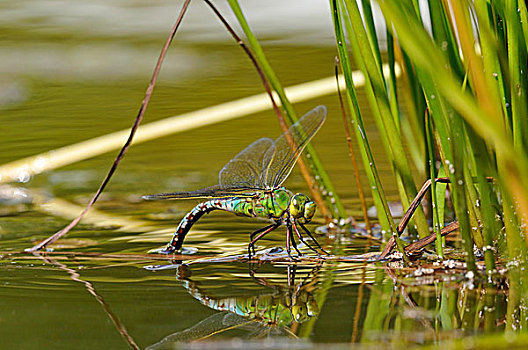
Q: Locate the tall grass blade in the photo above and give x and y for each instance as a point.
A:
(364, 56)
(378, 195)
(481, 105)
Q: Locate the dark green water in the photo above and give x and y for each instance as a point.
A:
(66, 301)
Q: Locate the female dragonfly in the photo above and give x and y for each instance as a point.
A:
(250, 185)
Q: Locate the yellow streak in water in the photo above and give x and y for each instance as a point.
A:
(23, 169)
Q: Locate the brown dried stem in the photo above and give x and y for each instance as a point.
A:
(127, 144)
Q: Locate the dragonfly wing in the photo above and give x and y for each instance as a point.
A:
(279, 160)
(215, 191)
(263, 164)
(245, 170)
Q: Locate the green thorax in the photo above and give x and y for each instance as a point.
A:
(274, 205)
(269, 205)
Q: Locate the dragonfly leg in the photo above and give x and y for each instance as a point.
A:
(296, 230)
(288, 234)
(252, 246)
(312, 237)
(260, 233)
(254, 233)
(294, 244)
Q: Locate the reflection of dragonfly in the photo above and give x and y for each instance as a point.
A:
(250, 185)
(251, 313)
(273, 311)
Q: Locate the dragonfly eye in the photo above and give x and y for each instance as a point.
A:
(312, 309)
(300, 313)
(309, 210)
(297, 205)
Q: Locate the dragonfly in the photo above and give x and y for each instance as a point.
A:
(250, 185)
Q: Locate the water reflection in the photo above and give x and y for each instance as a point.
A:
(444, 305)
(274, 311)
(333, 302)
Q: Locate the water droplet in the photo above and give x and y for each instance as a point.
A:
(24, 176)
(361, 131)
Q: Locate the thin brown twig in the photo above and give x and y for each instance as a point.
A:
(351, 152)
(127, 144)
(248, 52)
(405, 220)
(421, 243)
(302, 166)
(408, 214)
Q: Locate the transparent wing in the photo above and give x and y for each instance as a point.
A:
(279, 159)
(263, 164)
(245, 170)
(240, 177)
(215, 191)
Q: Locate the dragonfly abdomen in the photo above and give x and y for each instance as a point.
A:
(194, 215)
(238, 206)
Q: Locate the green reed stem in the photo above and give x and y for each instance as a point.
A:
(432, 171)
(518, 75)
(370, 27)
(352, 153)
(378, 194)
(481, 105)
(364, 56)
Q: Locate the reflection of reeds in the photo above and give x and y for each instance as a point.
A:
(403, 310)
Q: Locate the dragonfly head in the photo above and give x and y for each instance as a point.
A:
(304, 306)
(300, 312)
(302, 208)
